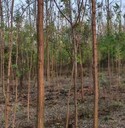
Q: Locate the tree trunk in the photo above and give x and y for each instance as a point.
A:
(2, 47)
(47, 44)
(40, 107)
(75, 78)
(95, 64)
(16, 84)
(7, 106)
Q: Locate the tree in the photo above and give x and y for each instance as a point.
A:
(95, 64)
(9, 67)
(47, 43)
(40, 111)
(2, 48)
(73, 24)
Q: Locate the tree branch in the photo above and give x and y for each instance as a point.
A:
(62, 12)
(79, 9)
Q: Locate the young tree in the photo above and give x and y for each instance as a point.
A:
(40, 111)
(73, 24)
(95, 64)
(9, 67)
(47, 43)
(2, 48)
(108, 33)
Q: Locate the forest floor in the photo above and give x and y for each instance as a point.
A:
(111, 104)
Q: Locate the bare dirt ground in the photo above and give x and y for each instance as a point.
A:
(111, 104)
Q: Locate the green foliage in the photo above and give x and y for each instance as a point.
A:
(14, 66)
(103, 80)
(59, 37)
(114, 44)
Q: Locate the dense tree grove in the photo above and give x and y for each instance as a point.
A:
(67, 29)
(57, 32)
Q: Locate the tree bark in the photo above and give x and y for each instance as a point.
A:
(40, 109)
(7, 106)
(47, 45)
(95, 64)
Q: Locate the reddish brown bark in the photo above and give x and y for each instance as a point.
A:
(40, 109)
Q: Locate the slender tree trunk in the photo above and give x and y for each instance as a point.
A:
(40, 109)
(120, 19)
(75, 78)
(109, 67)
(81, 67)
(120, 30)
(2, 47)
(7, 106)
(47, 44)
(29, 59)
(16, 83)
(95, 64)
(74, 65)
(108, 33)
(68, 109)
